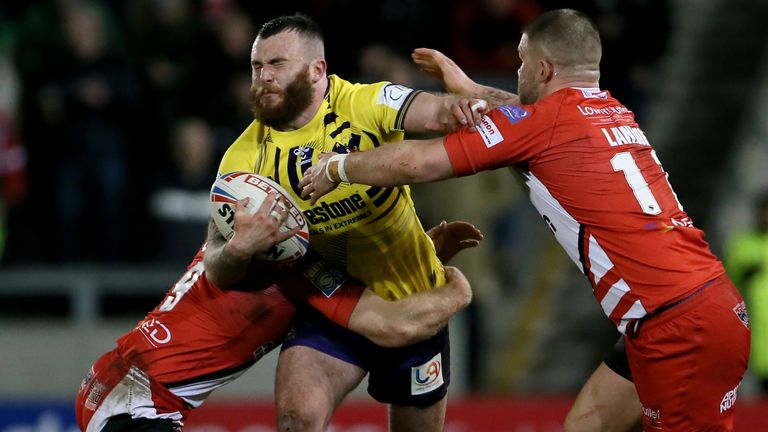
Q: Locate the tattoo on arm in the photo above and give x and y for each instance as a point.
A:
(223, 269)
(497, 97)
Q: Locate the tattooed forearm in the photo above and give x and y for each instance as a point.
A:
(496, 97)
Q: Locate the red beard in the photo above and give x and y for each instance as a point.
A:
(297, 96)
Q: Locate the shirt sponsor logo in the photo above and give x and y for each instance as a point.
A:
(335, 210)
(93, 400)
(87, 378)
(155, 332)
(609, 110)
(728, 399)
(428, 376)
(393, 96)
(741, 311)
(324, 277)
(514, 113)
(652, 418)
(489, 132)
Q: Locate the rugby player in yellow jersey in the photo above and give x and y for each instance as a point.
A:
(373, 233)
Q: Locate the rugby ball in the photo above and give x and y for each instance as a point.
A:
(232, 187)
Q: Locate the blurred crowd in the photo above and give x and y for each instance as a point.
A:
(113, 114)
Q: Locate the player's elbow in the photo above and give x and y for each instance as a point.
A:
(458, 288)
(220, 280)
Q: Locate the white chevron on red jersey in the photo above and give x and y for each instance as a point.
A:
(200, 338)
(595, 179)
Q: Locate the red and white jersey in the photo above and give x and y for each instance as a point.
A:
(595, 179)
(200, 338)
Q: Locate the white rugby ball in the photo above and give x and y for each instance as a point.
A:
(232, 187)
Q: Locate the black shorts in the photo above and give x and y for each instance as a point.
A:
(417, 375)
(616, 359)
(124, 423)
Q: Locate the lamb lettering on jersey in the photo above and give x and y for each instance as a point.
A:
(622, 135)
(337, 209)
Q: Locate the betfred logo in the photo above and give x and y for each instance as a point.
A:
(489, 132)
(428, 376)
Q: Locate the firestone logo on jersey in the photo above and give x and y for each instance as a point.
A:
(428, 376)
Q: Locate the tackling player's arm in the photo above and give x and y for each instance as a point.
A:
(227, 261)
(441, 113)
(405, 162)
(412, 318)
(441, 67)
(445, 113)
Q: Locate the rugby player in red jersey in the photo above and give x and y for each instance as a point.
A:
(202, 337)
(594, 177)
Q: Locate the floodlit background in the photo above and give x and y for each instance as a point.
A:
(113, 116)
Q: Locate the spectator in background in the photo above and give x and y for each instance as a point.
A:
(38, 57)
(89, 101)
(230, 33)
(166, 38)
(380, 62)
(12, 151)
(484, 35)
(747, 263)
(180, 203)
(630, 51)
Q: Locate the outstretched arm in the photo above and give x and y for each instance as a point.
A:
(406, 162)
(413, 318)
(439, 66)
(443, 113)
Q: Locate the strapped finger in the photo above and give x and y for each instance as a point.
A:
(275, 214)
(268, 204)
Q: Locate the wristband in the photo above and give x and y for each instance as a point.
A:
(339, 159)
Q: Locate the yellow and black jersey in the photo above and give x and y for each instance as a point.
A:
(373, 232)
